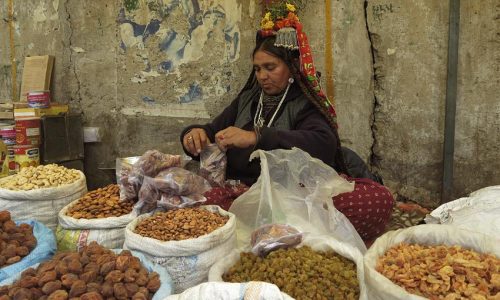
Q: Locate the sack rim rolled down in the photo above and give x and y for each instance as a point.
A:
(180, 248)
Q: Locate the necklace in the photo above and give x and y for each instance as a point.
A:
(258, 119)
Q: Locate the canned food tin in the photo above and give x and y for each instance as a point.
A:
(38, 99)
(26, 156)
(8, 134)
(28, 131)
(12, 160)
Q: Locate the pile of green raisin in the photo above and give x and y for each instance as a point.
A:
(302, 273)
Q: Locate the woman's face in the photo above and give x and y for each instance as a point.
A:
(272, 73)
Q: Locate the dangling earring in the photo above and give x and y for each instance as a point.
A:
(290, 80)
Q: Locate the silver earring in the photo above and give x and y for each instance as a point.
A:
(290, 80)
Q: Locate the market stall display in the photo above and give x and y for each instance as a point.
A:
(93, 273)
(97, 216)
(443, 262)
(203, 238)
(38, 193)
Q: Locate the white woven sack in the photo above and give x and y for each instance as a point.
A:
(254, 290)
(41, 204)
(316, 242)
(187, 261)
(382, 288)
(73, 234)
(479, 212)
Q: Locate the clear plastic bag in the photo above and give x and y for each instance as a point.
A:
(131, 171)
(213, 162)
(272, 237)
(172, 188)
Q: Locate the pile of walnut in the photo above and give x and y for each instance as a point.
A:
(31, 178)
(101, 203)
(442, 272)
(180, 224)
(93, 274)
(15, 241)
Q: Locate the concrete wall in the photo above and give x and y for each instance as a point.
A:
(141, 70)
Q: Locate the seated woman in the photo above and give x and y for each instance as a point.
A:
(282, 106)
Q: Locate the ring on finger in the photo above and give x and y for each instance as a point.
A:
(190, 138)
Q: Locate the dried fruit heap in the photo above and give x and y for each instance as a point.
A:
(180, 224)
(101, 203)
(93, 274)
(442, 272)
(15, 241)
(300, 272)
(47, 176)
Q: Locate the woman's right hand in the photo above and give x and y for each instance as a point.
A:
(195, 140)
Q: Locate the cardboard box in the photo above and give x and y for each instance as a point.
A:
(53, 110)
(37, 73)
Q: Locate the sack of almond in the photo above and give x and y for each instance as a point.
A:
(433, 262)
(98, 216)
(186, 241)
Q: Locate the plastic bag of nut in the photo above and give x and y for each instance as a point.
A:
(442, 272)
(98, 216)
(172, 188)
(213, 162)
(93, 273)
(131, 172)
(35, 243)
(272, 237)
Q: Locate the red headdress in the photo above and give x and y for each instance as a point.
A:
(281, 21)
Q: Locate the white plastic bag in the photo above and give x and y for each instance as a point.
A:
(479, 212)
(316, 242)
(73, 234)
(380, 287)
(187, 261)
(42, 204)
(254, 290)
(295, 189)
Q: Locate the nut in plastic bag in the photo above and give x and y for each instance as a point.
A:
(172, 188)
(131, 171)
(213, 162)
(272, 237)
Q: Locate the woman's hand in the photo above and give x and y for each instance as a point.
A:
(235, 137)
(195, 140)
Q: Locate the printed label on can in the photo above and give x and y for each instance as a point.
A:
(12, 160)
(28, 131)
(26, 157)
(38, 99)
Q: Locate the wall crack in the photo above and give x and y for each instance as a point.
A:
(374, 159)
(72, 60)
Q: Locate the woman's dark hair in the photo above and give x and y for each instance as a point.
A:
(291, 59)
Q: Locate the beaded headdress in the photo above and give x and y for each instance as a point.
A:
(280, 20)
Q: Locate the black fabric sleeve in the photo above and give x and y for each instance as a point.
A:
(312, 134)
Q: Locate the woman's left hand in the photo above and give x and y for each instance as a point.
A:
(234, 137)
